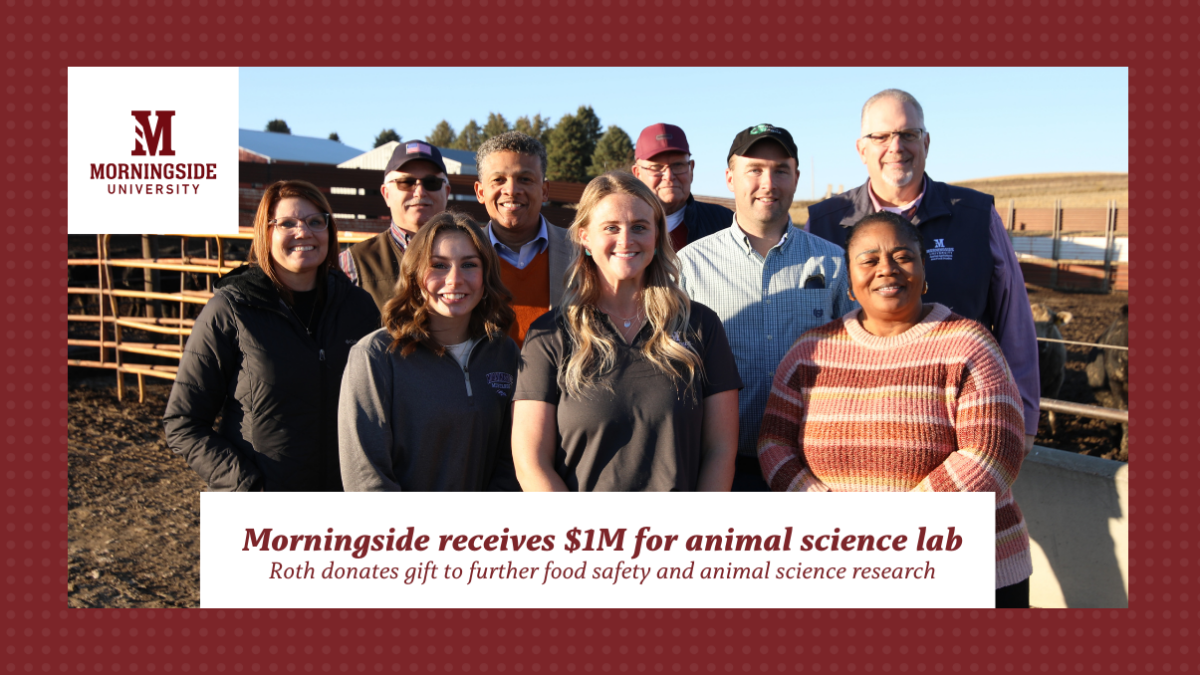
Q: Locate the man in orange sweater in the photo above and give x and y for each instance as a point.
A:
(534, 254)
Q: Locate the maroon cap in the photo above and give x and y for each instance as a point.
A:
(658, 138)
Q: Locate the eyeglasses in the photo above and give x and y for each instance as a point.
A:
(906, 136)
(314, 223)
(657, 170)
(409, 183)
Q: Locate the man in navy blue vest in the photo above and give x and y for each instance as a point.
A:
(664, 163)
(972, 267)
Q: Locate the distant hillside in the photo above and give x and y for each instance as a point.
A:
(1038, 190)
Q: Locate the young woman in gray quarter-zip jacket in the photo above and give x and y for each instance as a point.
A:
(426, 402)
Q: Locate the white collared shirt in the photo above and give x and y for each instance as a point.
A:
(520, 259)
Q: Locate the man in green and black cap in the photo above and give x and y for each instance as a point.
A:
(768, 280)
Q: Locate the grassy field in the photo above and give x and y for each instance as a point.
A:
(1038, 190)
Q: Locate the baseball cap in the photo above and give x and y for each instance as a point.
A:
(411, 150)
(658, 138)
(762, 132)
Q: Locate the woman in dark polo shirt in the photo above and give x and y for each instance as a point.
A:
(628, 385)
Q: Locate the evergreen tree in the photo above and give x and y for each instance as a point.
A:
(386, 136)
(442, 135)
(470, 137)
(614, 152)
(569, 150)
(334, 137)
(591, 126)
(538, 127)
(496, 125)
(278, 126)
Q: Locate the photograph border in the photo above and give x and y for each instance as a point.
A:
(46, 36)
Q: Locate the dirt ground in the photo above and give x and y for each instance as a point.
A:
(133, 506)
(1092, 315)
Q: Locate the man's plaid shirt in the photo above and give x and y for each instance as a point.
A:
(763, 304)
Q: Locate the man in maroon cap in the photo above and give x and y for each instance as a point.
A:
(664, 163)
(416, 189)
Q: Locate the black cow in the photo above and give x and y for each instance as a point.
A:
(1108, 372)
(1052, 356)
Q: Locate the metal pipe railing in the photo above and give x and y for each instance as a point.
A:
(1085, 410)
(1083, 344)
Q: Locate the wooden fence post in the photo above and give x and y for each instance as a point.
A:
(150, 276)
(1056, 243)
(1110, 232)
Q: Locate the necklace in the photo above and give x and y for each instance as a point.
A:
(628, 321)
(311, 314)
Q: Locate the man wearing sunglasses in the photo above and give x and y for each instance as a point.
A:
(416, 189)
(972, 268)
(664, 163)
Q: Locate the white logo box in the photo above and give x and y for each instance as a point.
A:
(120, 179)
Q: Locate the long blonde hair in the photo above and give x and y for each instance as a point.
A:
(665, 305)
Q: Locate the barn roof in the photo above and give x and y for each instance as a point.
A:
(291, 148)
(457, 161)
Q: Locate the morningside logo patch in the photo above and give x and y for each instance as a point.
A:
(153, 178)
(152, 134)
(152, 150)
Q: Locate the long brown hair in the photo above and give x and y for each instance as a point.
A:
(666, 306)
(260, 246)
(406, 315)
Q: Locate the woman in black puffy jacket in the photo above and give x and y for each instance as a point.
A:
(267, 355)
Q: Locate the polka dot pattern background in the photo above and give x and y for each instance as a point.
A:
(1152, 37)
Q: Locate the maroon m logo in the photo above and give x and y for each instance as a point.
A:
(152, 135)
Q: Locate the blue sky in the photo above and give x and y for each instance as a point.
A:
(983, 122)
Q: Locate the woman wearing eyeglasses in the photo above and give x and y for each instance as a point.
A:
(267, 354)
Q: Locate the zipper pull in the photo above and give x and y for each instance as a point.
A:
(321, 353)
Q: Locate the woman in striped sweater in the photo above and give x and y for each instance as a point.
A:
(900, 396)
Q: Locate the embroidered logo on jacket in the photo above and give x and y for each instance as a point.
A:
(940, 251)
(683, 341)
(501, 382)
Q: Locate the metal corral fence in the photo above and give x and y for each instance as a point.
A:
(120, 307)
(1078, 249)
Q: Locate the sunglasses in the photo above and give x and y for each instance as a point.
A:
(409, 183)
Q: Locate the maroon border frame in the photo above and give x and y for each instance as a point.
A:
(1151, 37)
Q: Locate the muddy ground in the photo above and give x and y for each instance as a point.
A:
(133, 505)
(1092, 315)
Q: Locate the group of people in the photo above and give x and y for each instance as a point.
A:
(658, 343)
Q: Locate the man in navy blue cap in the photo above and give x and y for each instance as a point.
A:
(416, 189)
